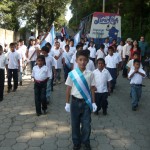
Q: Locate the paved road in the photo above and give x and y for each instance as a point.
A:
(121, 129)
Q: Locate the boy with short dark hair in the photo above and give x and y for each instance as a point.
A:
(81, 86)
(136, 76)
(103, 86)
(13, 67)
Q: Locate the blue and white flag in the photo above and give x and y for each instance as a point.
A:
(50, 37)
(77, 38)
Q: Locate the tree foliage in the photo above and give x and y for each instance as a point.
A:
(135, 14)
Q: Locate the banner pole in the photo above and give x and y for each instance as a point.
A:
(103, 6)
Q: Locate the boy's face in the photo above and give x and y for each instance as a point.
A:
(57, 45)
(32, 42)
(67, 49)
(100, 65)
(44, 53)
(136, 57)
(137, 65)
(110, 51)
(40, 62)
(71, 44)
(82, 62)
(12, 48)
(91, 44)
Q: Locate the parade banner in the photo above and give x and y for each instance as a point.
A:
(105, 25)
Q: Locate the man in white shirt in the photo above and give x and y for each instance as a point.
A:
(100, 53)
(112, 66)
(58, 61)
(106, 44)
(3, 65)
(126, 52)
(92, 50)
(13, 67)
(136, 76)
(103, 85)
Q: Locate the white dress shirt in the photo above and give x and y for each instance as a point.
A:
(100, 54)
(58, 63)
(89, 78)
(118, 57)
(13, 60)
(72, 49)
(92, 52)
(40, 74)
(111, 61)
(137, 78)
(3, 61)
(50, 63)
(106, 48)
(90, 66)
(101, 80)
(126, 50)
(32, 53)
(23, 48)
(120, 49)
(67, 56)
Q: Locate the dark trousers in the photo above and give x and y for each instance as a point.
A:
(12, 73)
(2, 80)
(40, 96)
(113, 72)
(101, 101)
(80, 115)
(125, 70)
(52, 80)
(66, 71)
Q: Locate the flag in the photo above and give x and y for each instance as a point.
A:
(50, 37)
(77, 38)
(64, 32)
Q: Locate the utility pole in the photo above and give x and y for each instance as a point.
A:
(103, 6)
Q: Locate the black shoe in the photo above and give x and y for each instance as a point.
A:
(47, 103)
(14, 90)
(137, 106)
(1, 99)
(20, 83)
(104, 112)
(38, 114)
(134, 108)
(44, 112)
(76, 147)
(96, 113)
(87, 147)
(9, 90)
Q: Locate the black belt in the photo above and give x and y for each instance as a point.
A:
(78, 99)
(137, 84)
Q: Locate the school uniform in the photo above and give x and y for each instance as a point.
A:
(13, 66)
(80, 111)
(58, 64)
(101, 83)
(111, 65)
(90, 66)
(120, 50)
(3, 63)
(100, 54)
(32, 56)
(50, 64)
(40, 76)
(136, 86)
(130, 64)
(72, 49)
(106, 48)
(67, 67)
(92, 53)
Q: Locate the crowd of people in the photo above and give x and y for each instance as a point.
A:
(90, 73)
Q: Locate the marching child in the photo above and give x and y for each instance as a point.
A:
(13, 67)
(103, 86)
(136, 76)
(41, 75)
(80, 83)
(112, 66)
(51, 68)
(3, 65)
(92, 50)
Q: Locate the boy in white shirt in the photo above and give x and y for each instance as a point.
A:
(3, 65)
(51, 68)
(13, 67)
(103, 86)
(72, 48)
(58, 61)
(106, 44)
(112, 66)
(92, 50)
(100, 53)
(136, 76)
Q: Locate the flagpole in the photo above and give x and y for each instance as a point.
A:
(103, 6)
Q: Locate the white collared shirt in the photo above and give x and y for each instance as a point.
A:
(13, 58)
(111, 61)
(23, 48)
(126, 50)
(137, 78)
(101, 80)
(72, 49)
(90, 66)
(106, 48)
(67, 56)
(50, 64)
(32, 53)
(58, 63)
(100, 54)
(89, 78)
(130, 64)
(3, 61)
(118, 57)
(40, 74)
(20, 52)
(120, 49)
(92, 52)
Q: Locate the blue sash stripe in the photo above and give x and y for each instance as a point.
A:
(80, 89)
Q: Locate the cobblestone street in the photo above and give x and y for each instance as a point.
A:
(121, 129)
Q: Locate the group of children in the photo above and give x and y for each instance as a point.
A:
(90, 76)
